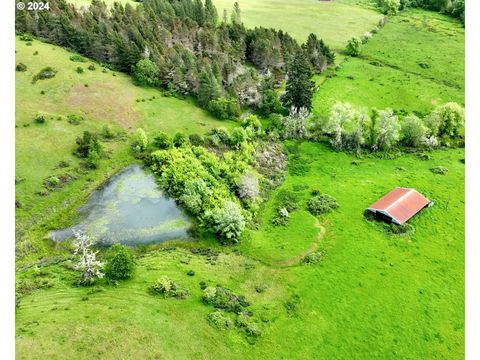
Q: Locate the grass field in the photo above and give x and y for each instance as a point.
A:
(334, 22)
(387, 72)
(372, 296)
(383, 296)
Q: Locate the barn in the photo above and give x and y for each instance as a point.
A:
(399, 205)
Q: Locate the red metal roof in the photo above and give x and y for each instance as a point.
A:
(400, 204)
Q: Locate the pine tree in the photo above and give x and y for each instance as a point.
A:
(209, 88)
(199, 12)
(211, 15)
(299, 89)
(235, 16)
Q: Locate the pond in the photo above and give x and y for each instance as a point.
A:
(129, 209)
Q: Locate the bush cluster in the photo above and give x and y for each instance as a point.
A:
(120, 263)
(441, 170)
(46, 73)
(222, 298)
(322, 204)
(168, 288)
(220, 321)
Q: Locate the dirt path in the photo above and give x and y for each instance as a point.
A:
(313, 247)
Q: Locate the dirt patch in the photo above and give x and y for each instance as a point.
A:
(103, 101)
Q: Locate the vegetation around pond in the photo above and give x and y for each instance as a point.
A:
(281, 262)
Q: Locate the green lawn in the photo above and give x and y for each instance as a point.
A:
(374, 295)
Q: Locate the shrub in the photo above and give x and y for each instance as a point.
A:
(46, 73)
(321, 204)
(196, 139)
(404, 229)
(91, 67)
(250, 327)
(21, 67)
(387, 130)
(221, 134)
(120, 263)
(413, 131)
(40, 119)
(253, 122)
(194, 195)
(78, 58)
(248, 188)
(168, 288)
(366, 36)
(107, 133)
(282, 217)
(145, 73)
(179, 139)
(447, 122)
(74, 119)
(313, 258)
(288, 200)
(388, 7)
(140, 141)
(162, 141)
(87, 144)
(224, 108)
(191, 273)
(227, 222)
(270, 103)
(239, 135)
(79, 70)
(219, 321)
(441, 170)
(51, 182)
(222, 298)
(353, 46)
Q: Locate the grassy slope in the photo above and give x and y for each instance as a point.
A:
(108, 99)
(375, 294)
(335, 21)
(397, 80)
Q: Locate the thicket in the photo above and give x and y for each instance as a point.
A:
(354, 129)
(120, 263)
(219, 185)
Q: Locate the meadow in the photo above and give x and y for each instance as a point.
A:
(382, 295)
(373, 295)
(400, 67)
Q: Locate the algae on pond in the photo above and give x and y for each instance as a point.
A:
(129, 209)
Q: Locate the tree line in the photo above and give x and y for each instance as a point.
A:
(178, 45)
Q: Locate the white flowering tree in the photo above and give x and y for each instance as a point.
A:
(248, 188)
(388, 131)
(87, 264)
(295, 123)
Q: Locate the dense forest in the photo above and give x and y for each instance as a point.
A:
(181, 46)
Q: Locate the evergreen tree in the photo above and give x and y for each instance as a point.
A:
(199, 12)
(299, 89)
(235, 16)
(211, 15)
(209, 88)
(319, 54)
